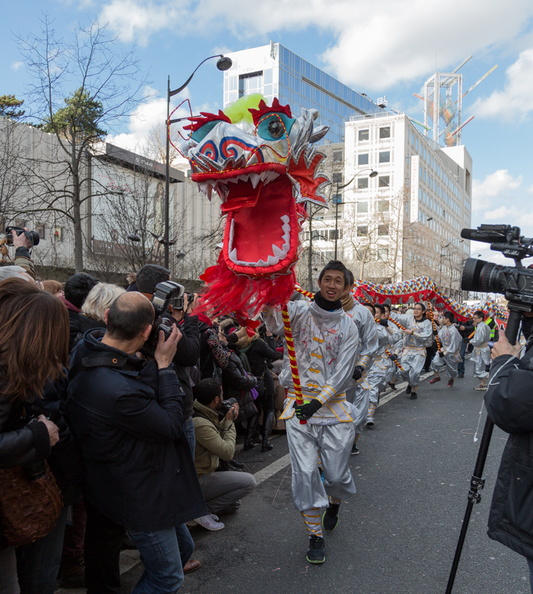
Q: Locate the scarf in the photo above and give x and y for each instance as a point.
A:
(325, 304)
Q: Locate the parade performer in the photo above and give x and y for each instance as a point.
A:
(481, 352)
(418, 334)
(449, 355)
(359, 393)
(325, 340)
(383, 365)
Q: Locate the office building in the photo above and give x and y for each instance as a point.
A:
(405, 220)
(274, 71)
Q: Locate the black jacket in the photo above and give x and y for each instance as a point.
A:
(509, 402)
(128, 419)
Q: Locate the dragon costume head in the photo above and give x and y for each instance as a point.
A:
(264, 171)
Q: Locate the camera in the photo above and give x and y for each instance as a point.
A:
(33, 236)
(514, 282)
(165, 294)
(226, 405)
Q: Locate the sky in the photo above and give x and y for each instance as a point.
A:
(387, 49)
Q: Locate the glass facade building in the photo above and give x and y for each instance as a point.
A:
(274, 71)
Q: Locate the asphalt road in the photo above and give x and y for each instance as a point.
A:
(398, 534)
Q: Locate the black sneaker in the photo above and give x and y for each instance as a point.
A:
(413, 396)
(330, 518)
(408, 390)
(316, 553)
(355, 450)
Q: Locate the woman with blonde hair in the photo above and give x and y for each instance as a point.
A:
(33, 350)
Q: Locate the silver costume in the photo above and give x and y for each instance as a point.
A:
(325, 343)
(481, 353)
(448, 359)
(414, 347)
(359, 393)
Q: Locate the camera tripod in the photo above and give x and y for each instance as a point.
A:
(476, 481)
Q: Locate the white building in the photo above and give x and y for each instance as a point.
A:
(405, 221)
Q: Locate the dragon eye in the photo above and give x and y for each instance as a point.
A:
(275, 129)
(274, 126)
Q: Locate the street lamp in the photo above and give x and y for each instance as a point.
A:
(223, 63)
(338, 201)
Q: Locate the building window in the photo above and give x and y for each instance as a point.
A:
(383, 206)
(251, 82)
(335, 232)
(336, 178)
(41, 230)
(362, 230)
(362, 207)
(384, 132)
(362, 183)
(362, 159)
(384, 157)
(364, 134)
(383, 254)
(384, 181)
(336, 156)
(383, 230)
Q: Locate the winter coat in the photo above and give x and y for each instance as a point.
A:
(509, 402)
(215, 438)
(237, 383)
(258, 353)
(128, 419)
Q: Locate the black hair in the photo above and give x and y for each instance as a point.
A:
(126, 320)
(206, 390)
(449, 315)
(480, 314)
(380, 307)
(421, 305)
(78, 286)
(149, 276)
(370, 306)
(340, 267)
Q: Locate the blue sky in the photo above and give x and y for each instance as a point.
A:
(386, 48)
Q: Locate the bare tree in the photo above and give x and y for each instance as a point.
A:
(80, 90)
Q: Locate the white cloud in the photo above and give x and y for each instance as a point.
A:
(377, 45)
(134, 20)
(17, 66)
(514, 101)
(499, 184)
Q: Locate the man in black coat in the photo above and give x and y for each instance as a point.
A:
(127, 416)
(509, 401)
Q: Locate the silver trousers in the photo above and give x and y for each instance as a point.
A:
(332, 445)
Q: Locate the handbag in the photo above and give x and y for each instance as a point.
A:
(29, 508)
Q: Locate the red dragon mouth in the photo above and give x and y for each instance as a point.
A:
(262, 228)
(261, 233)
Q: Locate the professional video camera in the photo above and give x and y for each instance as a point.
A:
(515, 283)
(166, 293)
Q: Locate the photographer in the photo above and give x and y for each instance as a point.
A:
(509, 402)
(127, 415)
(214, 428)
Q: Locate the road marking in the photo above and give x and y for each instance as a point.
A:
(270, 470)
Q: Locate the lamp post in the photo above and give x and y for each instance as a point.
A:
(223, 63)
(338, 201)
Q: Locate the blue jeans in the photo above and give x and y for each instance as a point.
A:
(38, 563)
(164, 553)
